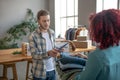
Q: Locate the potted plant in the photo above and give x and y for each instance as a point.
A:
(17, 31)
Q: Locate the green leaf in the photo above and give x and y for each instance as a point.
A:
(17, 52)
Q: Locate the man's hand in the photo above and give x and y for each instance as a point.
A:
(53, 53)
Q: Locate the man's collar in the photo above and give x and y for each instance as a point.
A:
(39, 30)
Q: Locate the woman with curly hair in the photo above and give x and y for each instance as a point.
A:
(104, 62)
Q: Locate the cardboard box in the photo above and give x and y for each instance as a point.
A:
(83, 44)
(81, 38)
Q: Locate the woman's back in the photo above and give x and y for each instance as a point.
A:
(109, 61)
(102, 65)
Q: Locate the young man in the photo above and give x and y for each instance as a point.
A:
(41, 46)
(43, 50)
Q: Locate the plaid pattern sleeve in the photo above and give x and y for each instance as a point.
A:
(37, 47)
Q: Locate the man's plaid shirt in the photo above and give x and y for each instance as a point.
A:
(38, 50)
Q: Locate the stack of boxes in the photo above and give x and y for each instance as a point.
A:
(82, 40)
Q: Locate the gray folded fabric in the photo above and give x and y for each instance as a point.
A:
(70, 66)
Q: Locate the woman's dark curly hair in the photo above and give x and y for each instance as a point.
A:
(105, 28)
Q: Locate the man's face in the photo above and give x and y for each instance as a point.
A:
(44, 22)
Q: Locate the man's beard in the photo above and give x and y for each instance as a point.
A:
(43, 28)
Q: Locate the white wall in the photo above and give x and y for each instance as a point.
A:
(85, 7)
(52, 13)
(13, 11)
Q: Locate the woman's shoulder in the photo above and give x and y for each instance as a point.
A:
(97, 55)
(105, 54)
(97, 51)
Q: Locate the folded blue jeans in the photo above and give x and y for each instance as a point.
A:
(67, 58)
(70, 66)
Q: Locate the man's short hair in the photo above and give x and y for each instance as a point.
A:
(42, 13)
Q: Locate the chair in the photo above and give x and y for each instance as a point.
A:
(27, 71)
(5, 67)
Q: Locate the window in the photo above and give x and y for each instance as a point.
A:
(106, 4)
(66, 16)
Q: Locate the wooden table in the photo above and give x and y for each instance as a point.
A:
(6, 56)
(92, 48)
